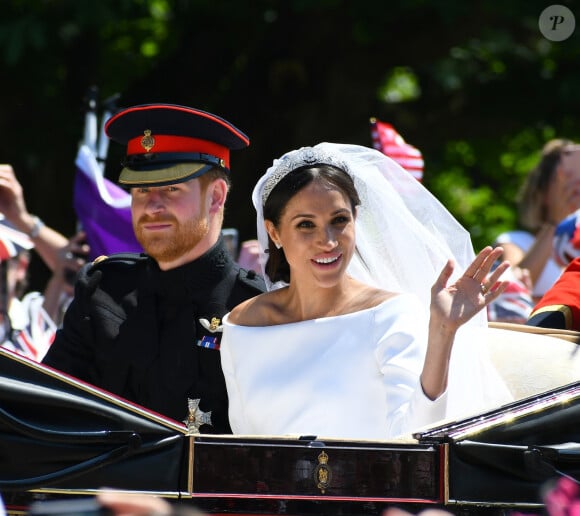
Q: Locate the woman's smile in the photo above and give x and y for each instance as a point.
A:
(328, 261)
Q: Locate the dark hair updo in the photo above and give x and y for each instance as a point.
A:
(277, 267)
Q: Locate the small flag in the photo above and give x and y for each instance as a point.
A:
(514, 304)
(12, 241)
(31, 330)
(566, 243)
(391, 143)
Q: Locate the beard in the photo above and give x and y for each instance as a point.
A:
(182, 237)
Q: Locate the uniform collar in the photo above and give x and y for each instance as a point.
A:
(201, 273)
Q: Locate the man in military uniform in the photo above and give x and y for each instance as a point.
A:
(148, 327)
(559, 307)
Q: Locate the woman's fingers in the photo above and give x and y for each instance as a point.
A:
(483, 262)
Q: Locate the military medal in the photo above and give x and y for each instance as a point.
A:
(196, 417)
(213, 326)
(208, 342)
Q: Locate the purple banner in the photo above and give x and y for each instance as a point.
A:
(103, 209)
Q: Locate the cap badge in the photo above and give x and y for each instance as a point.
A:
(147, 142)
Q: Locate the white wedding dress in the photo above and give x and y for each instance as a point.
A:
(354, 376)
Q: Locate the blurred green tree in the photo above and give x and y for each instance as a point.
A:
(474, 85)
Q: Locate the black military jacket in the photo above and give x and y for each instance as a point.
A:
(153, 336)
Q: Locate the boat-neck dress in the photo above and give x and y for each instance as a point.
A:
(352, 376)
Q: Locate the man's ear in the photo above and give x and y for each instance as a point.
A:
(217, 195)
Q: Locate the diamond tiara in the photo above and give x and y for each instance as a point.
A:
(306, 156)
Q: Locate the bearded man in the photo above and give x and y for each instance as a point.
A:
(148, 327)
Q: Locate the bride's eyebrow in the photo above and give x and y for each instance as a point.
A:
(303, 215)
(340, 211)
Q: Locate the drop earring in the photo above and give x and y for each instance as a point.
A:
(278, 245)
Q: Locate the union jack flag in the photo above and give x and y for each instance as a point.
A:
(567, 239)
(33, 330)
(514, 304)
(390, 142)
(12, 241)
(27, 329)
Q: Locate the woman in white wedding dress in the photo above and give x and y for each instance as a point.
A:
(369, 329)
